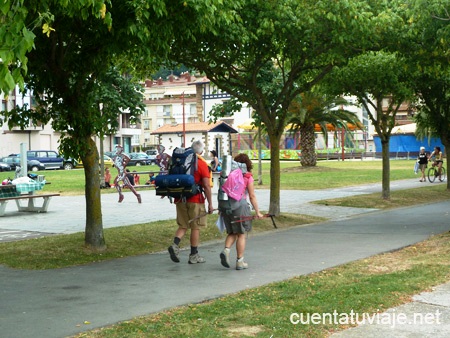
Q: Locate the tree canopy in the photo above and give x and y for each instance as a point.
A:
(76, 65)
(274, 50)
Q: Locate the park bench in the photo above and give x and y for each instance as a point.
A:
(9, 193)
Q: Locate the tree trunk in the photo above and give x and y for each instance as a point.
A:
(308, 145)
(385, 182)
(447, 157)
(260, 180)
(94, 224)
(274, 207)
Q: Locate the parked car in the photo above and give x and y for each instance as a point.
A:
(106, 160)
(13, 161)
(138, 159)
(5, 166)
(49, 158)
(69, 163)
(152, 155)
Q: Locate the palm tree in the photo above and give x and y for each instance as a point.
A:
(313, 108)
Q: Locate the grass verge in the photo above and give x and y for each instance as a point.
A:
(399, 198)
(366, 286)
(59, 251)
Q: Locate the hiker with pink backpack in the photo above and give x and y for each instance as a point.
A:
(236, 185)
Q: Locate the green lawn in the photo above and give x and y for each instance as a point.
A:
(327, 174)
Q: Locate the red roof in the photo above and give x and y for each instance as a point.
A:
(196, 127)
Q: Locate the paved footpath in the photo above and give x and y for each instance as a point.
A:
(56, 303)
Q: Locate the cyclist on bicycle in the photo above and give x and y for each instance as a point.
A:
(437, 153)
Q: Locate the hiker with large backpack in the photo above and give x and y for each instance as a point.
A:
(188, 182)
(236, 184)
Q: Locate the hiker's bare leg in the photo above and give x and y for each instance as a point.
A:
(240, 245)
(127, 183)
(229, 241)
(180, 233)
(195, 237)
(118, 188)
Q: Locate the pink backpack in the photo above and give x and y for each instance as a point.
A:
(235, 186)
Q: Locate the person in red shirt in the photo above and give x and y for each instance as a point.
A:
(192, 209)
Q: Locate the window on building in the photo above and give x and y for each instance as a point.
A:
(147, 124)
(166, 110)
(135, 140)
(193, 109)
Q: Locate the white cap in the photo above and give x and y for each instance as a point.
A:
(422, 148)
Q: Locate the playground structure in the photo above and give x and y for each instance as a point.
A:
(354, 142)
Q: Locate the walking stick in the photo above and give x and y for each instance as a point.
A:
(249, 218)
(200, 216)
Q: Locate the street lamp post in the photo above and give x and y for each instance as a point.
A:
(184, 123)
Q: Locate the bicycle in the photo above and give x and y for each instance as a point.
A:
(433, 173)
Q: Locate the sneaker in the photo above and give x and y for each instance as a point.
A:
(196, 258)
(174, 250)
(241, 265)
(225, 258)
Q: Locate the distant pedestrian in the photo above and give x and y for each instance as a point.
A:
(120, 162)
(162, 159)
(422, 159)
(215, 163)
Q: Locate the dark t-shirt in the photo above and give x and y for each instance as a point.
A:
(423, 158)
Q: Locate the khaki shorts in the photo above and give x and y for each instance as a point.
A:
(188, 211)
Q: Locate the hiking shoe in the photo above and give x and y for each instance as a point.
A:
(196, 258)
(241, 265)
(225, 258)
(174, 250)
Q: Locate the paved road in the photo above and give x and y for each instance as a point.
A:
(56, 303)
(66, 214)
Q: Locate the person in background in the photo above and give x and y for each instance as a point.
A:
(107, 178)
(215, 164)
(193, 209)
(151, 179)
(162, 160)
(422, 159)
(120, 162)
(236, 230)
(438, 161)
(136, 178)
(130, 177)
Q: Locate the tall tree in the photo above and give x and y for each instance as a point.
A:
(315, 108)
(274, 50)
(427, 48)
(72, 65)
(381, 83)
